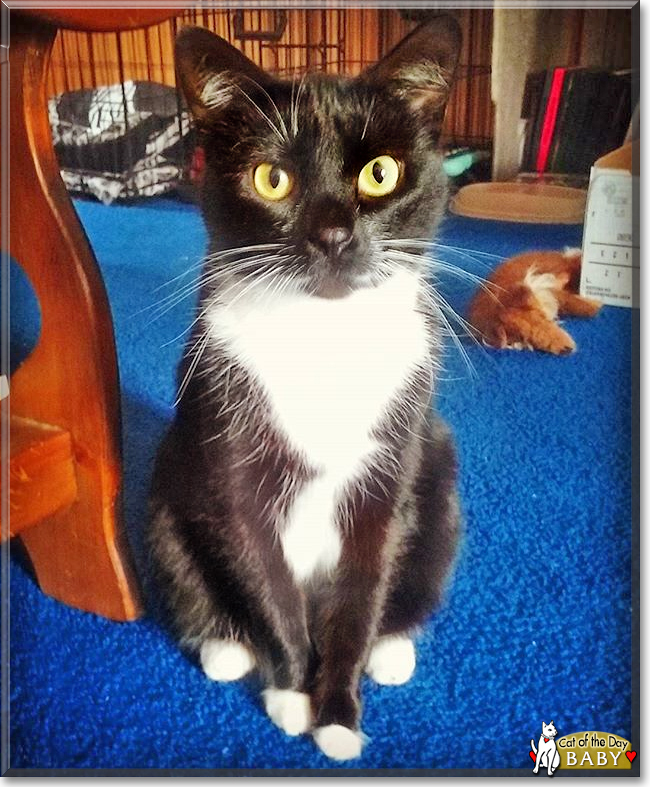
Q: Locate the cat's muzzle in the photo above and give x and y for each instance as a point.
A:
(332, 241)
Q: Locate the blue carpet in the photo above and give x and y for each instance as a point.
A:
(537, 623)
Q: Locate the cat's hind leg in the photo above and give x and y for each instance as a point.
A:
(392, 660)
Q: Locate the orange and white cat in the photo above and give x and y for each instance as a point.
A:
(519, 306)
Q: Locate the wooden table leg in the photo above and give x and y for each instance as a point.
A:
(70, 381)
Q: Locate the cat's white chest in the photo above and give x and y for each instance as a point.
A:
(330, 369)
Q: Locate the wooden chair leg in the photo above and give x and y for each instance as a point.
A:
(70, 381)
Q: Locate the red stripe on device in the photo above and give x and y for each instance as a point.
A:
(550, 117)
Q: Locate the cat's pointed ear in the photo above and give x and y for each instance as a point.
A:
(211, 72)
(421, 67)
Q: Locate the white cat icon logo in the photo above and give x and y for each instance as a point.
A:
(545, 753)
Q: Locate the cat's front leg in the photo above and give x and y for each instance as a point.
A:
(556, 761)
(280, 648)
(254, 598)
(281, 637)
(348, 631)
(273, 603)
(286, 699)
(347, 628)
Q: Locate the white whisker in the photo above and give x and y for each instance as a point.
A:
(221, 256)
(370, 110)
(282, 135)
(295, 103)
(198, 350)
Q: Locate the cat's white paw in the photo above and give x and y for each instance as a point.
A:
(339, 742)
(226, 659)
(392, 661)
(289, 710)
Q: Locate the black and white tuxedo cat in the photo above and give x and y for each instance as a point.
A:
(304, 512)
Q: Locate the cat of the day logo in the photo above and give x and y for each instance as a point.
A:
(580, 751)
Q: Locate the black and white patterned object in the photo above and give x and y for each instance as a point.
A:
(122, 141)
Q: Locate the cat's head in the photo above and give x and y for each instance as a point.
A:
(322, 177)
(549, 730)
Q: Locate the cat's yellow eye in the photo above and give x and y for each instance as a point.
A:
(272, 182)
(379, 177)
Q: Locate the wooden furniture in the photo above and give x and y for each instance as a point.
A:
(65, 466)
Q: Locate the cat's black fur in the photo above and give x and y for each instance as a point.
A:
(214, 526)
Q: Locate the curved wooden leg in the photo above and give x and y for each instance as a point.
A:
(70, 381)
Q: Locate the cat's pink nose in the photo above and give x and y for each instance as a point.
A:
(333, 240)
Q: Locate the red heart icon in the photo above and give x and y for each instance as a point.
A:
(532, 756)
(630, 755)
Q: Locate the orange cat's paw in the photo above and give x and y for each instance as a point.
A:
(575, 305)
(562, 344)
(592, 307)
